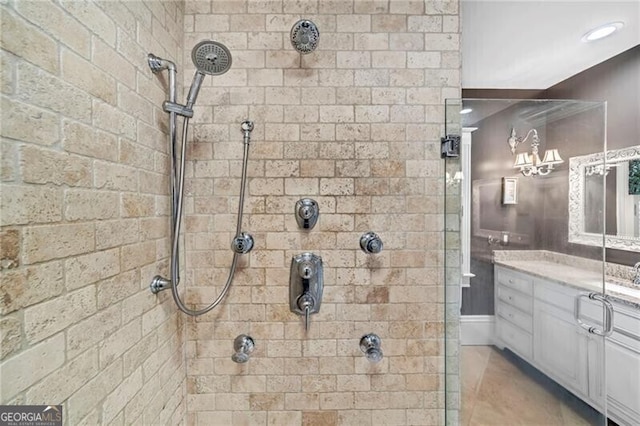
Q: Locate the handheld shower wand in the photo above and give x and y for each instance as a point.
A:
(210, 58)
(198, 77)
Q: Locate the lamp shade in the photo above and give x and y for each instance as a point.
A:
(522, 160)
(551, 156)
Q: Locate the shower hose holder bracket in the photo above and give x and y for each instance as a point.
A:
(177, 108)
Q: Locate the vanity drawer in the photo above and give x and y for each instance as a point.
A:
(558, 295)
(514, 298)
(626, 321)
(515, 316)
(515, 339)
(515, 280)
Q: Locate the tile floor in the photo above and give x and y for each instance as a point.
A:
(499, 389)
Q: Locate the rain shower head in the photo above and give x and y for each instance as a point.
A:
(211, 58)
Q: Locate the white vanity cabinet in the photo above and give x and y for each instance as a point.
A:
(560, 345)
(623, 381)
(513, 312)
(535, 319)
(622, 360)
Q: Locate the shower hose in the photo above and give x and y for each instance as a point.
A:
(177, 195)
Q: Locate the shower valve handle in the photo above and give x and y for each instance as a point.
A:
(306, 304)
(306, 318)
(305, 285)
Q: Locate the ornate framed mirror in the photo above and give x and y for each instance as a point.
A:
(617, 177)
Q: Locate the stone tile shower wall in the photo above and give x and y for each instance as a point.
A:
(356, 126)
(85, 211)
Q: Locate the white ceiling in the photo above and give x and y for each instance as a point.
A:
(534, 44)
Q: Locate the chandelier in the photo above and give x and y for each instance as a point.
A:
(530, 164)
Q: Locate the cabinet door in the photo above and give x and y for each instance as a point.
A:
(596, 366)
(623, 381)
(560, 347)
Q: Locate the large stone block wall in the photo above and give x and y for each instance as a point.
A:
(356, 126)
(84, 211)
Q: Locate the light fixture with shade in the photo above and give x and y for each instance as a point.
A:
(530, 164)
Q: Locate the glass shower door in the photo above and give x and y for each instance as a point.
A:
(525, 306)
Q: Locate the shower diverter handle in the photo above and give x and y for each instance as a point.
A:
(306, 304)
(305, 285)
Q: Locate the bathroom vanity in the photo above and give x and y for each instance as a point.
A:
(535, 307)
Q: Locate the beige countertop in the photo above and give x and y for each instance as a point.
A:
(577, 277)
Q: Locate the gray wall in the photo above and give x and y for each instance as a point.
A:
(542, 201)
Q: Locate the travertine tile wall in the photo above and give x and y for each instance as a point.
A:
(356, 126)
(85, 211)
(452, 219)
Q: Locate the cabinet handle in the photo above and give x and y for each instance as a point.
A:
(608, 314)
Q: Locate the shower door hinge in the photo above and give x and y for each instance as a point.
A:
(450, 147)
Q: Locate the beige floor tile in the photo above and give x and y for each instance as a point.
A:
(571, 418)
(495, 392)
(474, 364)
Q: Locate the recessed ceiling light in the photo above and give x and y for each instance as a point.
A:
(465, 111)
(602, 31)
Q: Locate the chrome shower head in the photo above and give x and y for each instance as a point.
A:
(211, 57)
(305, 36)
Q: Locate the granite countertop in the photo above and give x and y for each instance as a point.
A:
(578, 276)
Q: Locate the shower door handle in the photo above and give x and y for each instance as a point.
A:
(607, 329)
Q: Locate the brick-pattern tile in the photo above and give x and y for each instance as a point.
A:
(84, 169)
(351, 125)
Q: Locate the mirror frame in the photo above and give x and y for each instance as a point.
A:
(577, 167)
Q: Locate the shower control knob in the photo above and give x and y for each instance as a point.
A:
(374, 246)
(370, 243)
(307, 213)
(242, 243)
(306, 270)
(305, 302)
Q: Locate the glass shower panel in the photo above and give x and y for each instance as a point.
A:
(452, 270)
(525, 311)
